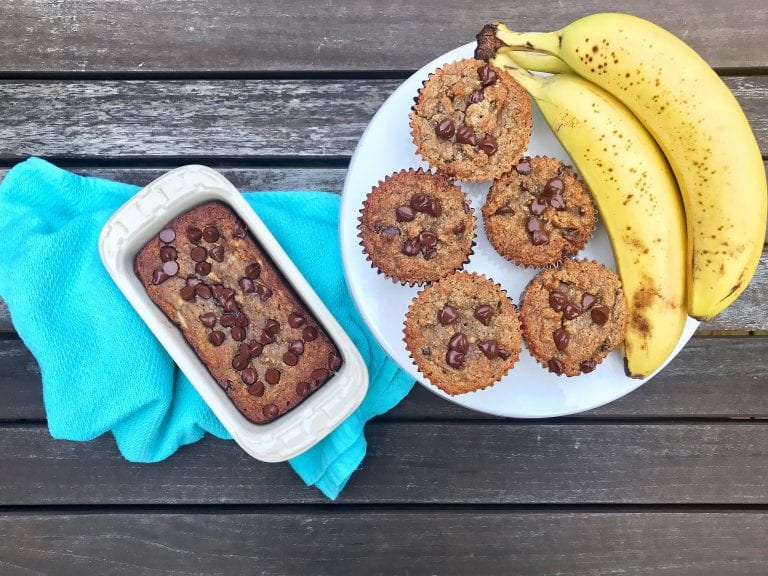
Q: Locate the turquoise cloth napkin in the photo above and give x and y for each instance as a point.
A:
(103, 370)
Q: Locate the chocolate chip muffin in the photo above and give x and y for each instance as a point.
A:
(573, 316)
(237, 312)
(539, 213)
(471, 120)
(463, 333)
(417, 226)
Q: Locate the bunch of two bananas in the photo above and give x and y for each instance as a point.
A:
(668, 155)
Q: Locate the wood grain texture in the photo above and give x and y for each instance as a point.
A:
(386, 542)
(278, 35)
(429, 463)
(219, 119)
(713, 377)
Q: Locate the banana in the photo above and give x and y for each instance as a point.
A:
(638, 199)
(696, 121)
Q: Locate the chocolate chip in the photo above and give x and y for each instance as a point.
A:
(243, 349)
(271, 411)
(237, 333)
(434, 208)
(198, 253)
(428, 239)
(266, 338)
(272, 326)
(272, 376)
(295, 320)
(533, 224)
(538, 206)
(227, 320)
(216, 337)
(320, 374)
(241, 320)
(411, 247)
(587, 301)
(484, 313)
(600, 315)
(263, 292)
(459, 228)
(246, 284)
(445, 129)
(503, 353)
(168, 253)
(571, 310)
(561, 336)
(188, 293)
(254, 348)
(203, 268)
(253, 270)
(158, 277)
(555, 366)
(217, 253)
(218, 291)
(429, 253)
(447, 315)
(230, 305)
(334, 362)
(476, 97)
(554, 186)
(211, 233)
(208, 319)
(420, 202)
(290, 359)
(454, 359)
(171, 268)
(490, 348)
(588, 366)
(203, 291)
(487, 75)
(427, 351)
(488, 144)
(539, 238)
(302, 388)
(466, 135)
(238, 230)
(557, 301)
(194, 234)
(256, 389)
(572, 235)
(309, 333)
(390, 232)
(404, 213)
(167, 236)
(523, 167)
(248, 376)
(297, 347)
(504, 210)
(459, 342)
(557, 202)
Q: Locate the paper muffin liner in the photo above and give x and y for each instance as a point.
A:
(535, 354)
(426, 372)
(555, 263)
(405, 281)
(442, 166)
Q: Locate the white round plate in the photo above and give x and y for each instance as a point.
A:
(528, 390)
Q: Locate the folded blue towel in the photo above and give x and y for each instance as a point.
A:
(102, 368)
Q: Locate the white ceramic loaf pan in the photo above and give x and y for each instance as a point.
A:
(141, 219)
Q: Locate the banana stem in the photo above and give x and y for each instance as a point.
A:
(546, 42)
(536, 61)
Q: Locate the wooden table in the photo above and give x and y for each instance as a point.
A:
(672, 479)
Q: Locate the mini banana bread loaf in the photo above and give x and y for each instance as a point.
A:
(237, 311)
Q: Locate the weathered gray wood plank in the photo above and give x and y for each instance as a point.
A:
(217, 118)
(437, 463)
(712, 378)
(446, 542)
(199, 35)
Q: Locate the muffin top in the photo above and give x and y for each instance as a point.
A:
(471, 120)
(417, 226)
(539, 213)
(463, 333)
(573, 316)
